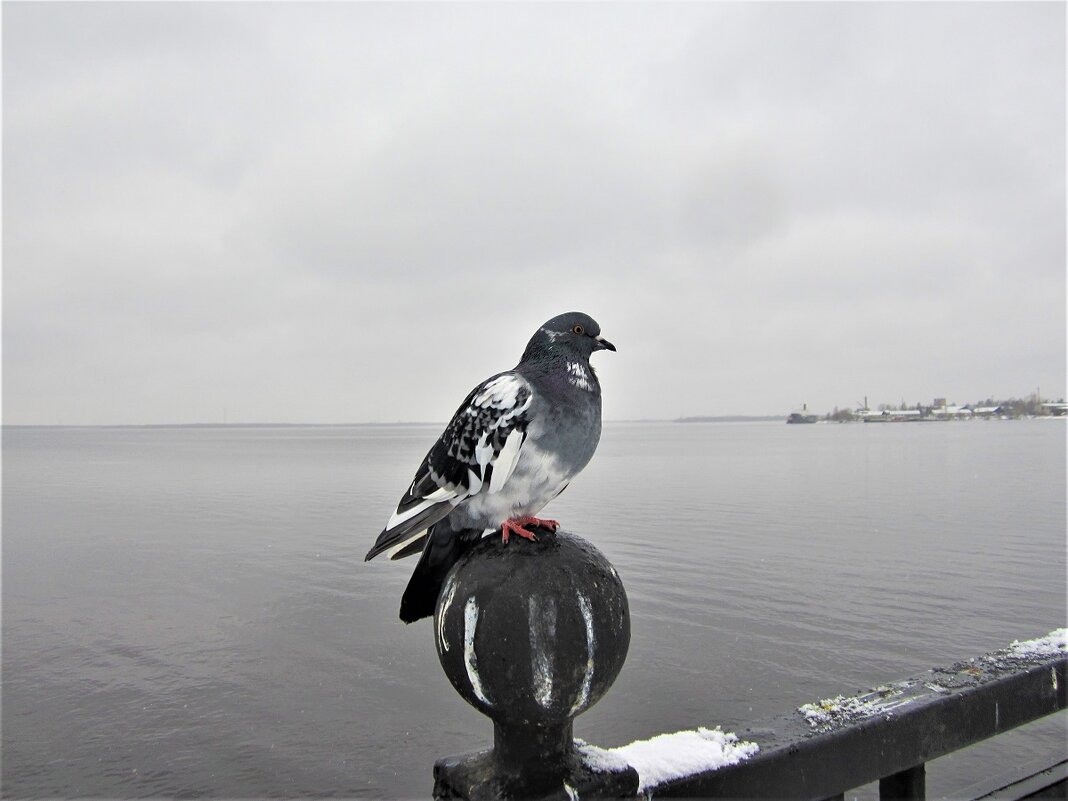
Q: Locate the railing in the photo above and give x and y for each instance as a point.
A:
(533, 635)
(889, 735)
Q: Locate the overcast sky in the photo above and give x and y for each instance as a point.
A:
(356, 212)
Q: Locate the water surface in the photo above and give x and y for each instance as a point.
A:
(186, 611)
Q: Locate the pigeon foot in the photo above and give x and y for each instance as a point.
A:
(516, 524)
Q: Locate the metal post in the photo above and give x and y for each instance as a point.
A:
(531, 634)
(907, 784)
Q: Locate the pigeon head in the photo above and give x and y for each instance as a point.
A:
(570, 334)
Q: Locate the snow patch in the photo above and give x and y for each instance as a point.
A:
(670, 756)
(1056, 642)
(837, 711)
(830, 713)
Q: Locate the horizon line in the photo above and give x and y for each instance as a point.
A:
(369, 423)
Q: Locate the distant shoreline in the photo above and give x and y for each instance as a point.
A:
(726, 418)
(733, 418)
(16, 426)
(214, 425)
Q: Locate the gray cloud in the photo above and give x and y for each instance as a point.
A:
(341, 212)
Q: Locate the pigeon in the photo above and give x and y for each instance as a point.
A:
(514, 444)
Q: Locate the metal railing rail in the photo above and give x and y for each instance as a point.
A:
(901, 727)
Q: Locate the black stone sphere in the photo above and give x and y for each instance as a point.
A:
(532, 633)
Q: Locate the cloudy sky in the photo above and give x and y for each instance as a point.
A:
(356, 212)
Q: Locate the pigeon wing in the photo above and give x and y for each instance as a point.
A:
(477, 452)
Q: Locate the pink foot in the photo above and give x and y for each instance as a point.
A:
(516, 526)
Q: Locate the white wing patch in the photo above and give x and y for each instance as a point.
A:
(474, 482)
(395, 549)
(438, 496)
(506, 459)
(500, 393)
(491, 414)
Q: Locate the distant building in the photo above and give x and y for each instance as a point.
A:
(951, 412)
(892, 416)
(802, 416)
(1057, 409)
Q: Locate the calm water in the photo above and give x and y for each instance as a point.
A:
(186, 612)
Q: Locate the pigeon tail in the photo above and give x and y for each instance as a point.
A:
(443, 549)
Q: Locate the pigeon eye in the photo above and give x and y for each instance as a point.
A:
(578, 330)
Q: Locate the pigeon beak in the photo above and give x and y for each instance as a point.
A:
(604, 344)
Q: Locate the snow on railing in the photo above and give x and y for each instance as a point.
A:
(670, 756)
